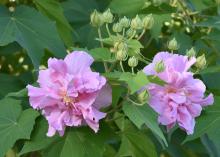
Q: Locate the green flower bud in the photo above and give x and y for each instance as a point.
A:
(157, 2)
(143, 96)
(121, 55)
(125, 22)
(148, 21)
(191, 53)
(200, 62)
(130, 32)
(96, 19)
(159, 66)
(107, 16)
(173, 45)
(136, 23)
(117, 28)
(120, 46)
(133, 61)
(147, 4)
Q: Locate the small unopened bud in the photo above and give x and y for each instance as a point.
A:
(125, 22)
(157, 2)
(147, 4)
(159, 66)
(148, 21)
(11, 9)
(130, 32)
(133, 61)
(107, 16)
(96, 19)
(120, 46)
(200, 62)
(191, 53)
(117, 28)
(121, 55)
(173, 45)
(136, 23)
(143, 96)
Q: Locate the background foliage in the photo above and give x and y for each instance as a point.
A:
(31, 31)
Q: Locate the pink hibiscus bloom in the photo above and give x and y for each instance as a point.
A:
(181, 99)
(70, 94)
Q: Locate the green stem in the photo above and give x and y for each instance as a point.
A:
(132, 69)
(132, 35)
(122, 68)
(107, 28)
(141, 35)
(102, 45)
(123, 32)
(100, 37)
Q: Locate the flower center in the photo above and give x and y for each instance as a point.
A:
(171, 90)
(67, 99)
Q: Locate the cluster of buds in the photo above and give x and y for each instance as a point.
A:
(121, 49)
(132, 25)
(125, 30)
(98, 19)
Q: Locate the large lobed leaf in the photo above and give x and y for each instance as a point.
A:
(15, 124)
(54, 11)
(208, 122)
(143, 115)
(32, 31)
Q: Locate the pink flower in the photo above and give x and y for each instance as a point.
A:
(181, 99)
(70, 94)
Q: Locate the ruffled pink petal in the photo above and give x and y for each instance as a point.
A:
(178, 97)
(194, 109)
(51, 131)
(86, 100)
(185, 120)
(92, 118)
(92, 81)
(39, 98)
(157, 104)
(58, 65)
(209, 100)
(78, 61)
(168, 116)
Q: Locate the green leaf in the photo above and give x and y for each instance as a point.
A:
(136, 144)
(211, 69)
(83, 142)
(125, 7)
(117, 92)
(160, 19)
(202, 4)
(208, 122)
(34, 34)
(9, 83)
(184, 41)
(211, 21)
(39, 140)
(54, 11)
(101, 54)
(78, 14)
(156, 80)
(134, 47)
(135, 82)
(141, 115)
(15, 124)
